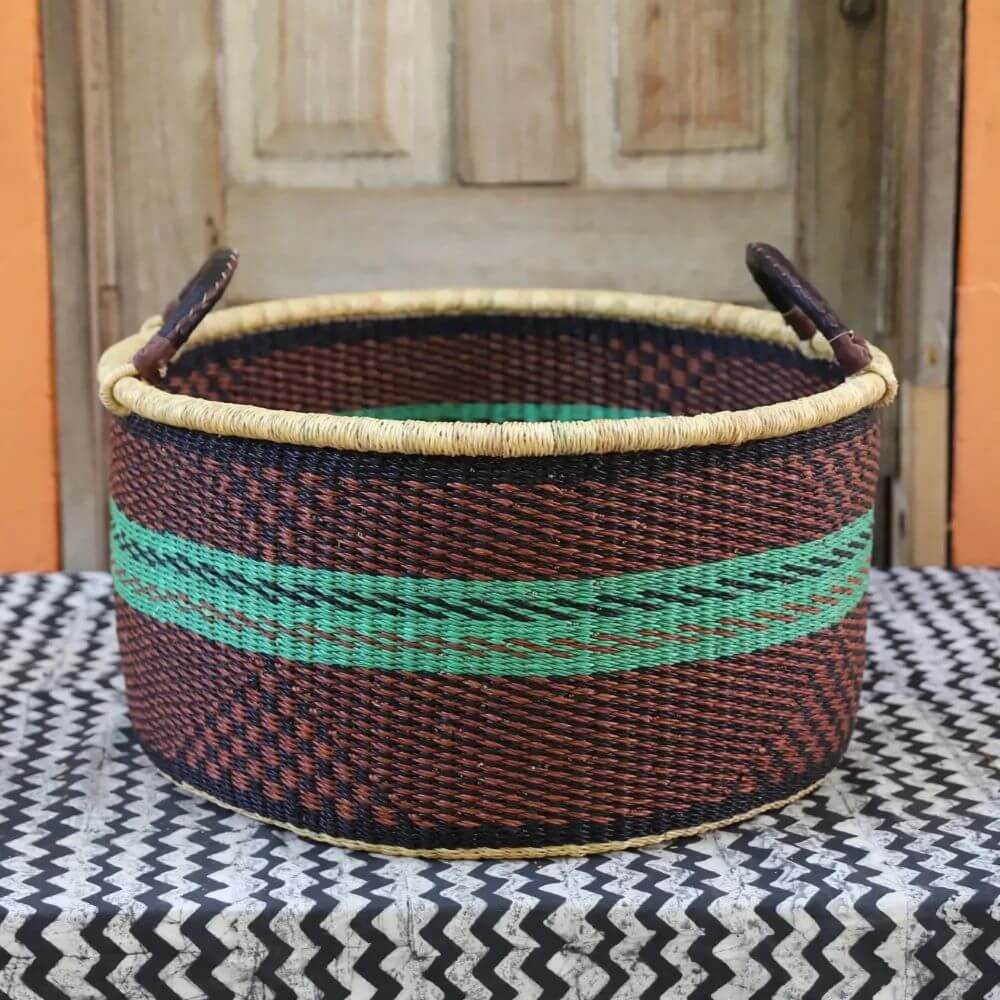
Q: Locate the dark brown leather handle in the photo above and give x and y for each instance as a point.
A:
(183, 314)
(804, 309)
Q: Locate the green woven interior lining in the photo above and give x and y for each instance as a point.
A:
(498, 413)
(538, 627)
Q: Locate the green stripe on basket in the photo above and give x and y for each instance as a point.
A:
(498, 413)
(538, 627)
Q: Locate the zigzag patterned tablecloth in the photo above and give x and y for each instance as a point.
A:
(883, 884)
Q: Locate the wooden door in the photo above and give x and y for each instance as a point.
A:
(357, 144)
(399, 143)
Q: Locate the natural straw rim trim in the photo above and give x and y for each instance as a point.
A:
(504, 853)
(123, 393)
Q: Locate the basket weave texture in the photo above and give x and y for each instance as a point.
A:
(494, 655)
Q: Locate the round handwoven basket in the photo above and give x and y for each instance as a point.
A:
(493, 573)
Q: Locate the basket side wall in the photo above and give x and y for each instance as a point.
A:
(429, 653)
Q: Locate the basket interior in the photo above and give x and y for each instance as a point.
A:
(494, 368)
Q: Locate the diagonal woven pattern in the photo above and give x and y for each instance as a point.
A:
(522, 367)
(496, 656)
(296, 652)
(882, 883)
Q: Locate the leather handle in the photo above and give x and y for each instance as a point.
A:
(183, 314)
(804, 309)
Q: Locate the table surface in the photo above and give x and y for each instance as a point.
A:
(884, 883)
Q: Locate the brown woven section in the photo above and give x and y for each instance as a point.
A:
(600, 363)
(409, 751)
(615, 516)
(439, 759)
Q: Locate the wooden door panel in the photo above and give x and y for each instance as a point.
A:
(695, 94)
(515, 92)
(339, 94)
(334, 99)
(309, 242)
(357, 144)
(164, 166)
(691, 75)
(549, 153)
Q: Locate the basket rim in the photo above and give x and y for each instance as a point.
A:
(124, 393)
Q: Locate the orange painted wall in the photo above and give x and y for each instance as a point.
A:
(29, 532)
(976, 472)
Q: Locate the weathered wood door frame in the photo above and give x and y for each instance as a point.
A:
(922, 150)
(876, 139)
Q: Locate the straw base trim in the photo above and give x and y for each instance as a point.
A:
(502, 853)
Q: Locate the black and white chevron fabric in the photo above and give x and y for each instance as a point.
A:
(884, 884)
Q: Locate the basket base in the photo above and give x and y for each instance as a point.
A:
(502, 853)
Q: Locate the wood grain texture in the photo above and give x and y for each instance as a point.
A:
(923, 109)
(82, 514)
(321, 79)
(103, 303)
(920, 491)
(344, 93)
(515, 92)
(558, 237)
(690, 75)
(923, 106)
(151, 208)
(29, 538)
(168, 200)
(840, 87)
(168, 197)
(671, 97)
(98, 166)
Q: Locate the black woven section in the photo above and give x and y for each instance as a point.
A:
(366, 827)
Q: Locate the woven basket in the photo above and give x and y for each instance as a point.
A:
(494, 573)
